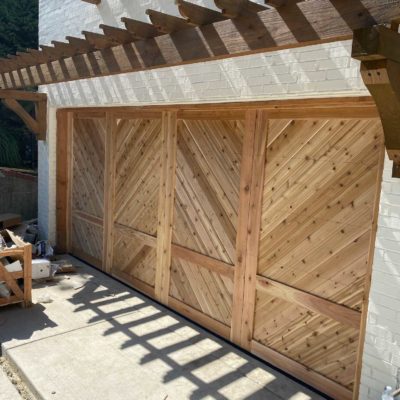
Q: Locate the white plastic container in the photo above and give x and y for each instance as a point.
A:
(40, 269)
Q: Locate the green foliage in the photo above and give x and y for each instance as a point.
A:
(18, 31)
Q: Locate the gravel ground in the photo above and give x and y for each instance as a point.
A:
(15, 379)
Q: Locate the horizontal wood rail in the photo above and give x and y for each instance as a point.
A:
(252, 31)
(342, 314)
(301, 372)
(210, 263)
(88, 217)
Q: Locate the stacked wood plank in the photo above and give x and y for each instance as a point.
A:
(257, 221)
(18, 283)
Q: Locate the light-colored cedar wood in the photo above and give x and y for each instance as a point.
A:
(166, 205)
(204, 320)
(23, 252)
(211, 263)
(63, 178)
(109, 192)
(314, 303)
(138, 150)
(320, 186)
(207, 187)
(361, 107)
(133, 258)
(143, 237)
(135, 283)
(317, 21)
(178, 251)
(88, 187)
(251, 184)
(368, 275)
(202, 289)
(137, 182)
(27, 275)
(301, 372)
(319, 195)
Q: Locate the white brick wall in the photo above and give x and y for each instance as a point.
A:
(316, 71)
(381, 363)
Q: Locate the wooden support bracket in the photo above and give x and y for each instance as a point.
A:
(37, 124)
(378, 49)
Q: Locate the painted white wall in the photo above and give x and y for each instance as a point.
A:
(316, 71)
(381, 362)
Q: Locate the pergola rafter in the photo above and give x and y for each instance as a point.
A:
(242, 27)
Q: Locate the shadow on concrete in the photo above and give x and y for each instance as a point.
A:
(20, 323)
(184, 358)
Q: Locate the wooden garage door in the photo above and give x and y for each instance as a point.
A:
(257, 223)
(87, 190)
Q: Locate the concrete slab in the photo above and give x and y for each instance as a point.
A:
(100, 340)
(7, 389)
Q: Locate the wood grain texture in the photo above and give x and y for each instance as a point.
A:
(87, 187)
(138, 151)
(290, 203)
(166, 205)
(247, 240)
(202, 289)
(207, 187)
(312, 22)
(318, 207)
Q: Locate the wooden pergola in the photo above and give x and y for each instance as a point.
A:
(241, 27)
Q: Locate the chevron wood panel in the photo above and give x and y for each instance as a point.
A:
(88, 166)
(88, 152)
(137, 173)
(134, 258)
(207, 186)
(87, 240)
(202, 289)
(318, 205)
(317, 342)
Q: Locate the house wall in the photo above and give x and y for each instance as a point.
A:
(381, 360)
(316, 71)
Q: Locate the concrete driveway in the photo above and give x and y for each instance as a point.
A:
(100, 340)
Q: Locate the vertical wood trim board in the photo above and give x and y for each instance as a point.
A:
(63, 179)
(109, 192)
(297, 187)
(368, 277)
(251, 185)
(166, 205)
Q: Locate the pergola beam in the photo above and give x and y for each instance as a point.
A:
(378, 49)
(37, 124)
(273, 29)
